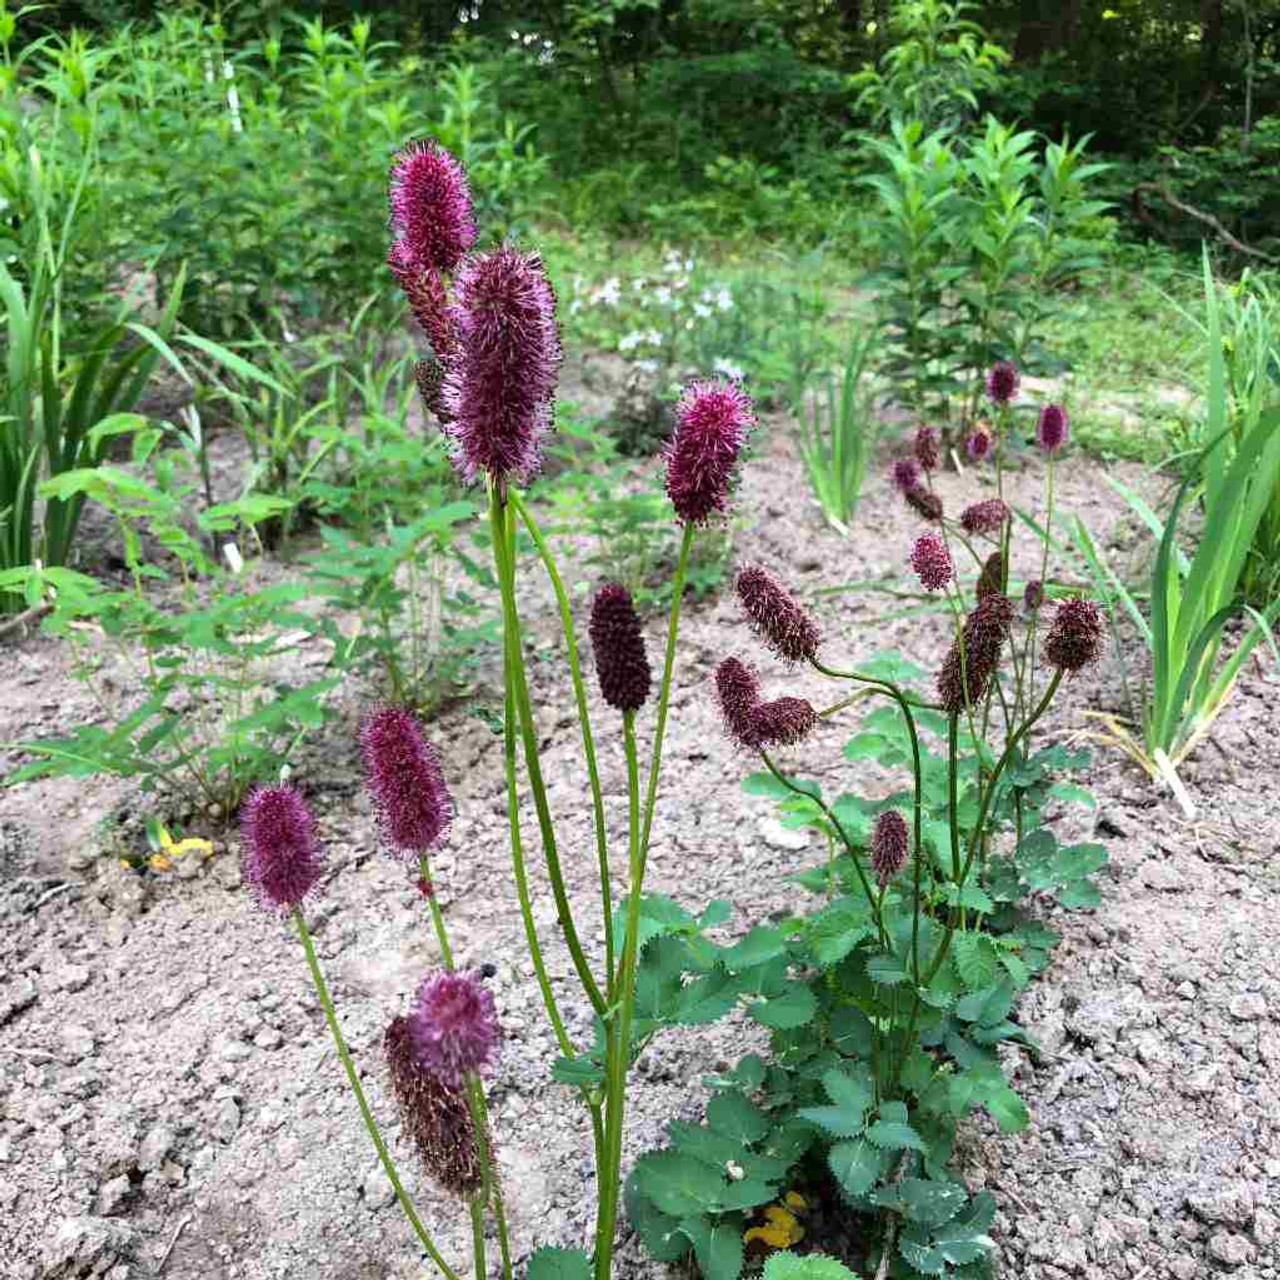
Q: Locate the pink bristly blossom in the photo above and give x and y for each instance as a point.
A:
(713, 420)
(404, 777)
(281, 858)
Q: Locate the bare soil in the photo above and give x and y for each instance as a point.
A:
(170, 1102)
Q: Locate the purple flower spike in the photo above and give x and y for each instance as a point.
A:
(905, 474)
(1033, 595)
(437, 1118)
(984, 517)
(925, 501)
(927, 448)
(1052, 428)
(454, 1027)
(978, 445)
(889, 844)
(431, 206)
(713, 420)
(776, 616)
(424, 288)
(1074, 639)
(738, 692)
(281, 861)
(1002, 382)
(618, 644)
(991, 579)
(962, 683)
(783, 722)
(932, 562)
(402, 771)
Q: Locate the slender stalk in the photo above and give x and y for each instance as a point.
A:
(353, 1079)
(664, 695)
(437, 919)
(619, 1060)
(477, 1237)
(499, 516)
(584, 719)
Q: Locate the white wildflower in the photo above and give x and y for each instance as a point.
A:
(729, 369)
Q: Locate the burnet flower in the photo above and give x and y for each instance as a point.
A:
(927, 447)
(500, 381)
(1002, 382)
(713, 420)
(1074, 638)
(430, 207)
(622, 663)
(281, 858)
(784, 722)
(776, 616)
(404, 777)
(991, 579)
(924, 501)
(453, 1028)
(1052, 428)
(977, 445)
(964, 681)
(1033, 595)
(932, 562)
(436, 1116)
(889, 844)
(752, 722)
(905, 474)
(984, 517)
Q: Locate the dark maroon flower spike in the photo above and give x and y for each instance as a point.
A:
(403, 774)
(1074, 639)
(427, 299)
(905, 474)
(499, 382)
(618, 645)
(927, 447)
(1033, 595)
(436, 1117)
(978, 445)
(1052, 428)
(453, 1028)
(984, 633)
(784, 722)
(713, 420)
(776, 616)
(991, 579)
(1002, 382)
(889, 846)
(925, 502)
(281, 860)
(430, 207)
(932, 562)
(738, 692)
(984, 517)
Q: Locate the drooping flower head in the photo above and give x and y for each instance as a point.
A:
(1052, 428)
(963, 680)
(927, 447)
(431, 206)
(618, 645)
(738, 692)
(776, 616)
(984, 517)
(932, 562)
(453, 1028)
(889, 844)
(499, 384)
(436, 1117)
(784, 722)
(1002, 382)
(1074, 638)
(428, 301)
(713, 419)
(1033, 595)
(403, 774)
(924, 501)
(905, 474)
(977, 444)
(281, 860)
(991, 579)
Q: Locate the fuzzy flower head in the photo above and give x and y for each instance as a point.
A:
(784, 722)
(427, 299)
(403, 774)
(1052, 428)
(927, 447)
(1002, 382)
(977, 445)
(500, 382)
(738, 693)
(991, 579)
(932, 562)
(925, 502)
(889, 846)
(618, 644)
(431, 206)
(905, 474)
(713, 419)
(1074, 638)
(964, 676)
(436, 1117)
(281, 861)
(1033, 595)
(984, 517)
(453, 1028)
(776, 616)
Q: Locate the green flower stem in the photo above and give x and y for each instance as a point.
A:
(353, 1079)
(499, 515)
(953, 733)
(664, 695)
(584, 719)
(446, 953)
(477, 1237)
(620, 1042)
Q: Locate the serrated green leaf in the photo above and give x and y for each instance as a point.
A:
(894, 1137)
(762, 944)
(886, 969)
(851, 1095)
(734, 1116)
(970, 896)
(930, 1203)
(1070, 792)
(659, 1232)
(678, 1184)
(577, 1071)
(810, 1266)
(550, 1263)
(1081, 895)
(706, 999)
(974, 958)
(717, 1245)
(922, 1256)
(794, 1008)
(705, 1144)
(855, 1165)
(748, 1074)
(851, 1031)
